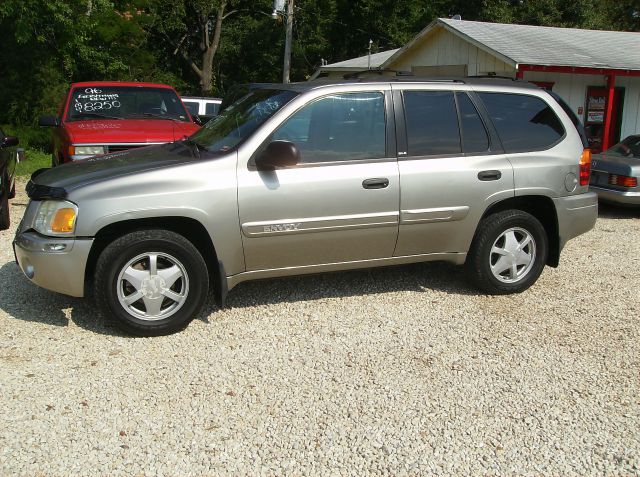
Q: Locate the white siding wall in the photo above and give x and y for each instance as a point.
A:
(443, 48)
(631, 111)
(573, 89)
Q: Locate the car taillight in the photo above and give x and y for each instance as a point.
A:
(585, 167)
(623, 181)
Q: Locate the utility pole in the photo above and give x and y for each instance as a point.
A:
(287, 43)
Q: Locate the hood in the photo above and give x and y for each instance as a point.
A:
(64, 178)
(624, 165)
(129, 130)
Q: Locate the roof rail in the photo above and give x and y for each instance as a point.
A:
(379, 71)
(494, 77)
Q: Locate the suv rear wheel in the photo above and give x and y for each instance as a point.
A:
(153, 282)
(508, 252)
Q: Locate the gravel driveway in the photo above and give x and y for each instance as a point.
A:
(400, 371)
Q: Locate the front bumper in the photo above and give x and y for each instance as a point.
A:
(577, 214)
(617, 196)
(53, 263)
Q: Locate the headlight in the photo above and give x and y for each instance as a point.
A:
(56, 217)
(87, 150)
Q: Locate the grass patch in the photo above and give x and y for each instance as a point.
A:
(36, 159)
(36, 142)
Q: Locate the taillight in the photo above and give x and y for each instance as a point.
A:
(585, 167)
(623, 181)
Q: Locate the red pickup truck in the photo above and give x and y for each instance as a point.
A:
(100, 117)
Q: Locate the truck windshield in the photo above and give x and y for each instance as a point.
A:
(125, 102)
(237, 122)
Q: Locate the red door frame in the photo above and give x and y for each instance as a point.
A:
(609, 73)
(606, 138)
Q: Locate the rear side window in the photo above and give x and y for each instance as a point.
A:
(432, 123)
(211, 109)
(474, 135)
(524, 123)
(192, 107)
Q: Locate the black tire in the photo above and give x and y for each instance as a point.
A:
(5, 216)
(131, 255)
(501, 229)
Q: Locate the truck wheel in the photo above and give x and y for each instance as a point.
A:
(5, 217)
(153, 282)
(508, 252)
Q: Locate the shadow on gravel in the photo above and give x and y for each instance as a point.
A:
(443, 277)
(610, 211)
(25, 301)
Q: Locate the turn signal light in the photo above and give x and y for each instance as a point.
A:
(623, 181)
(585, 167)
(63, 221)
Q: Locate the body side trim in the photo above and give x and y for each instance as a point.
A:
(456, 258)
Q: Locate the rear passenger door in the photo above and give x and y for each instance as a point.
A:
(452, 168)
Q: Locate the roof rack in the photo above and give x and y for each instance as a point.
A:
(379, 71)
(494, 77)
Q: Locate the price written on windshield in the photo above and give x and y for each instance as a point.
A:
(93, 99)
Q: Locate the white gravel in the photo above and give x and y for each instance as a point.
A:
(401, 371)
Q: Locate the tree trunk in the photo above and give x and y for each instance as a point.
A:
(206, 78)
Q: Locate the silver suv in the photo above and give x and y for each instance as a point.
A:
(316, 177)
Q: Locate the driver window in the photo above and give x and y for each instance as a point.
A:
(340, 127)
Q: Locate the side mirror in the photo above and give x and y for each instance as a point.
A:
(278, 154)
(49, 121)
(10, 141)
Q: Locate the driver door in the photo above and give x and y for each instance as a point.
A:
(340, 203)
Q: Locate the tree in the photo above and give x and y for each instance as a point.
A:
(194, 28)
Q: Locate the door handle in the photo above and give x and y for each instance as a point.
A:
(489, 175)
(376, 183)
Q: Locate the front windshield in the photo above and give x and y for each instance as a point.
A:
(241, 119)
(125, 102)
(630, 147)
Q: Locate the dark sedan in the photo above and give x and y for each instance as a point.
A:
(615, 174)
(8, 163)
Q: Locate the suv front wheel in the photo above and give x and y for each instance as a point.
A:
(508, 252)
(153, 282)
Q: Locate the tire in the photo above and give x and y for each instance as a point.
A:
(508, 252)
(5, 216)
(168, 299)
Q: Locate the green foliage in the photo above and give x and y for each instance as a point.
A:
(36, 159)
(48, 44)
(31, 137)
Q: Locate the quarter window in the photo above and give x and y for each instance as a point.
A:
(432, 123)
(524, 123)
(340, 127)
(474, 135)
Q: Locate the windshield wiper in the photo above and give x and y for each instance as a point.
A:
(97, 115)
